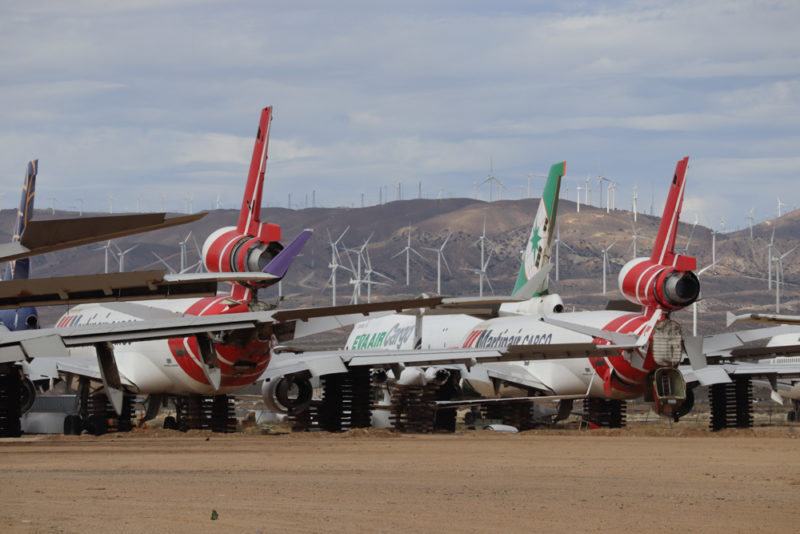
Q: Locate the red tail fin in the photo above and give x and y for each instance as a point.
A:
(249, 216)
(664, 248)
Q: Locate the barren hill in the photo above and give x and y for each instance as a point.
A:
(738, 282)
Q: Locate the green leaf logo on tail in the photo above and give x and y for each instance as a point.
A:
(532, 278)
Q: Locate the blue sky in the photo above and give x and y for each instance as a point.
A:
(151, 102)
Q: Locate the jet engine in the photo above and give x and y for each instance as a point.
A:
(228, 251)
(416, 376)
(21, 319)
(287, 394)
(668, 287)
(667, 390)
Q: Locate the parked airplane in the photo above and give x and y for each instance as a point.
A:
(19, 341)
(229, 338)
(606, 356)
(25, 317)
(739, 362)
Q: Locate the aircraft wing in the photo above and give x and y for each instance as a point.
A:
(466, 403)
(764, 318)
(284, 324)
(317, 363)
(134, 285)
(40, 237)
(724, 372)
(481, 307)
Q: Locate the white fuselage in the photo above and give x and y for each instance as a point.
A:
(149, 366)
(572, 376)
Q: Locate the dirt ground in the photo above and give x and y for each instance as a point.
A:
(639, 478)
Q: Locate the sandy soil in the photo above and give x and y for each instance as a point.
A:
(655, 480)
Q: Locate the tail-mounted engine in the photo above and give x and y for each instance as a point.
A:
(668, 287)
(228, 251)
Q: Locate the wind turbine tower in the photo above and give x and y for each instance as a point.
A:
(439, 259)
(605, 264)
(408, 250)
(334, 265)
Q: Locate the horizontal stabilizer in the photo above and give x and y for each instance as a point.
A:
(41, 237)
(281, 263)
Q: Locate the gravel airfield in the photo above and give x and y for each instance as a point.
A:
(639, 478)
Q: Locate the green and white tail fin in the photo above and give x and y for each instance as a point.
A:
(532, 279)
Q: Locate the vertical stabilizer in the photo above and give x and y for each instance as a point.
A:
(532, 278)
(664, 247)
(250, 214)
(25, 317)
(19, 269)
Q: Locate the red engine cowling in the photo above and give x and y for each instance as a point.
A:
(228, 251)
(668, 287)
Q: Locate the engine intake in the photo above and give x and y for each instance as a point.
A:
(287, 394)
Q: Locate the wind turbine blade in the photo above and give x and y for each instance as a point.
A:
(418, 254)
(445, 241)
(445, 263)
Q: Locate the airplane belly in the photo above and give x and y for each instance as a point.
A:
(566, 377)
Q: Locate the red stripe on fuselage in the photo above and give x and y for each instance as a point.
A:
(252, 359)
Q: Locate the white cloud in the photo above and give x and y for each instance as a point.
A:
(138, 95)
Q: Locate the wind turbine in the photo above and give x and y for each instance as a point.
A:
(694, 304)
(691, 233)
(605, 263)
(369, 271)
(182, 245)
(600, 180)
(780, 205)
(770, 247)
(491, 179)
(334, 265)
(356, 269)
(634, 239)
(750, 221)
(778, 259)
(578, 197)
(635, 201)
(612, 194)
(481, 272)
(587, 191)
(439, 258)
(107, 249)
(121, 255)
(408, 250)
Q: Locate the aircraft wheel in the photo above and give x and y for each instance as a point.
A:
(170, 423)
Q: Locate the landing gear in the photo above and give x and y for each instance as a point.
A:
(604, 413)
(204, 412)
(731, 404)
(10, 408)
(96, 415)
